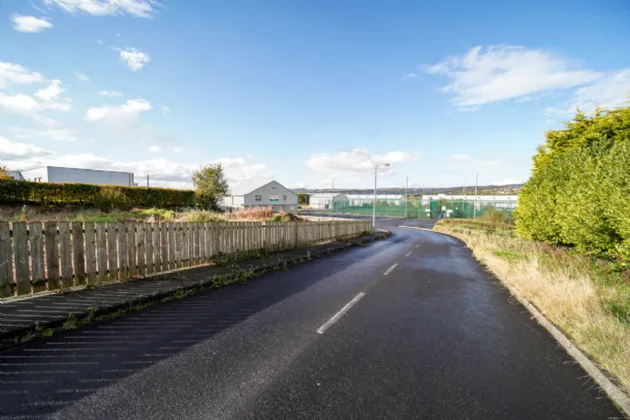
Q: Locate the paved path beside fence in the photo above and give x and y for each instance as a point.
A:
(35, 314)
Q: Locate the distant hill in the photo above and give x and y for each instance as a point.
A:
(511, 189)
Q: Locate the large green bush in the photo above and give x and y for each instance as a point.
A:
(104, 197)
(579, 193)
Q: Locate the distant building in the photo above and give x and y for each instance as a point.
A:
(17, 175)
(360, 199)
(498, 201)
(272, 194)
(89, 176)
(325, 201)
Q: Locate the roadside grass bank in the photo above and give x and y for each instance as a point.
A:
(587, 298)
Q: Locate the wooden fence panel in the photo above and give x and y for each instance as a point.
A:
(171, 246)
(123, 251)
(65, 254)
(148, 246)
(20, 247)
(6, 262)
(157, 249)
(178, 245)
(37, 253)
(78, 253)
(140, 248)
(112, 250)
(195, 243)
(51, 244)
(101, 246)
(184, 243)
(204, 243)
(90, 252)
(163, 247)
(132, 243)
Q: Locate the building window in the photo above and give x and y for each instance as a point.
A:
(258, 198)
(284, 198)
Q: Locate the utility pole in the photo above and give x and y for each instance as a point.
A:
(406, 194)
(475, 202)
(147, 181)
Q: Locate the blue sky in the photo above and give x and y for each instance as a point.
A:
(305, 91)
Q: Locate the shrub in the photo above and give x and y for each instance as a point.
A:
(580, 196)
(105, 197)
(252, 213)
(203, 216)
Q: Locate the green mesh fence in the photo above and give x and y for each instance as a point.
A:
(414, 209)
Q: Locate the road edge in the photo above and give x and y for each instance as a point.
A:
(613, 391)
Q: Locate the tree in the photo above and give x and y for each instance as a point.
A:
(4, 172)
(210, 184)
(303, 198)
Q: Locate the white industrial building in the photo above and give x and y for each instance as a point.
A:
(88, 176)
(498, 201)
(360, 199)
(325, 201)
(272, 194)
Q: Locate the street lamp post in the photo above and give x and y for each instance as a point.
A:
(374, 206)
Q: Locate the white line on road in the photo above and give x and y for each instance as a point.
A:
(390, 269)
(418, 246)
(339, 314)
(408, 253)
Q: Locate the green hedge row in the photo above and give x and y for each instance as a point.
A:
(104, 197)
(581, 197)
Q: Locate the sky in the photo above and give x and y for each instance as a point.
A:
(302, 92)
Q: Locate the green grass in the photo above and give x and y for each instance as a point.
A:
(508, 255)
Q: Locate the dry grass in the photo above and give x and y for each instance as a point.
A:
(585, 299)
(252, 213)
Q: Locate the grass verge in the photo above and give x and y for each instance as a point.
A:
(586, 298)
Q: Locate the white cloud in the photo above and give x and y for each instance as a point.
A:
(82, 77)
(356, 160)
(51, 92)
(110, 93)
(11, 151)
(609, 92)
(240, 173)
(55, 134)
(134, 58)
(165, 110)
(19, 103)
(99, 42)
(118, 115)
(29, 24)
(177, 150)
(138, 8)
(501, 72)
(409, 76)
(459, 157)
(155, 149)
(14, 73)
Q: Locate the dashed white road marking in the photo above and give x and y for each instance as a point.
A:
(390, 269)
(339, 314)
(408, 253)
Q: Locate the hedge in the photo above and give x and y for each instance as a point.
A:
(104, 197)
(581, 196)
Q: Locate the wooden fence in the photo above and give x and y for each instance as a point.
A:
(39, 256)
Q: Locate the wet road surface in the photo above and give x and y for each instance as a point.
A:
(411, 327)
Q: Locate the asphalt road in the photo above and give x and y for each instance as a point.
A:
(349, 336)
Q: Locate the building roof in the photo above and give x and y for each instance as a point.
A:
(378, 196)
(471, 197)
(244, 190)
(328, 196)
